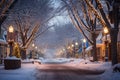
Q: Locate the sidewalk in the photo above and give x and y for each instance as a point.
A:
(26, 72)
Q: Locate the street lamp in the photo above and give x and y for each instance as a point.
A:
(84, 41)
(73, 49)
(72, 45)
(11, 29)
(106, 43)
(76, 43)
(33, 45)
(36, 47)
(11, 39)
(76, 48)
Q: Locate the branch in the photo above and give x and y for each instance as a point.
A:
(76, 15)
(42, 32)
(6, 8)
(96, 13)
(103, 13)
(75, 21)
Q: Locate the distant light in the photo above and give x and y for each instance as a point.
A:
(63, 49)
(105, 30)
(36, 47)
(76, 43)
(68, 47)
(11, 29)
(84, 40)
(33, 45)
(72, 45)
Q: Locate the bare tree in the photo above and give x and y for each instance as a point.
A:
(114, 7)
(5, 6)
(84, 21)
(30, 23)
(99, 14)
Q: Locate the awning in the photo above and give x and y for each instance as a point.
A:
(99, 45)
(99, 37)
(88, 48)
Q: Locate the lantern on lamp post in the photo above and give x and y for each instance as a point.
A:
(11, 39)
(106, 43)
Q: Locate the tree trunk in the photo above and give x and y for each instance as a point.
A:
(94, 53)
(23, 53)
(113, 35)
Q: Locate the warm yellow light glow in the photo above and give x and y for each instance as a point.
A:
(84, 40)
(68, 47)
(33, 45)
(76, 43)
(105, 30)
(11, 29)
(36, 47)
(72, 45)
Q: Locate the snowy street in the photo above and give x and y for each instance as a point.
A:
(61, 69)
(59, 39)
(65, 72)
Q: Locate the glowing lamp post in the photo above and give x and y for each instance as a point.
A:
(76, 48)
(106, 43)
(36, 47)
(33, 45)
(76, 43)
(11, 39)
(73, 50)
(72, 45)
(84, 41)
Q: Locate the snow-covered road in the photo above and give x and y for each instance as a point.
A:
(65, 72)
(61, 69)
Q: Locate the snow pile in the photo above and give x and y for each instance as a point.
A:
(13, 58)
(27, 61)
(55, 60)
(109, 74)
(87, 65)
(26, 72)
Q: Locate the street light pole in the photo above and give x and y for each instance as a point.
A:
(84, 41)
(106, 44)
(76, 49)
(11, 39)
(73, 50)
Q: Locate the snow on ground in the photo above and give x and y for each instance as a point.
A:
(110, 75)
(86, 64)
(26, 72)
(107, 75)
(56, 60)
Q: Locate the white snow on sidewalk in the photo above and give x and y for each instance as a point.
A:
(110, 75)
(86, 64)
(107, 75)
(26, 72)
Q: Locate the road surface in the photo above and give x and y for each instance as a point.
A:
(65, 72)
